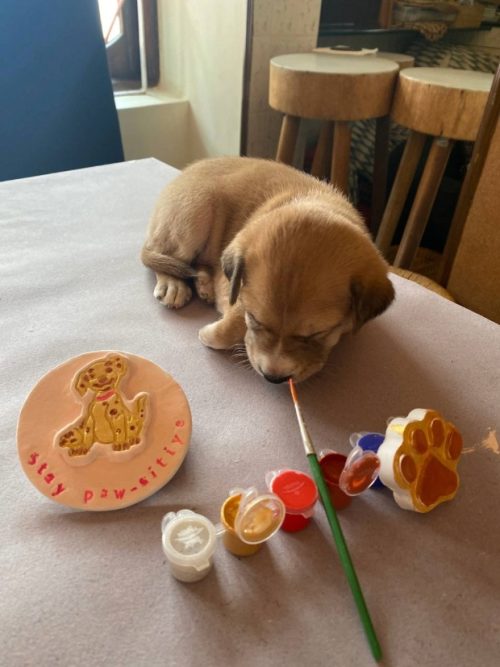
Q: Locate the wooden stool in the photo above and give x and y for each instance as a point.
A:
(446, 104)
(333, 88)
(379, 177)
(424, 281)
(425, 270)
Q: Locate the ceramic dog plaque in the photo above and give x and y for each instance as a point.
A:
(103, 430)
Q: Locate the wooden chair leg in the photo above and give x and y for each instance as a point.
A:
(341, 155)
(380, 166)
(322, 153)
(424, 201)
(288, 139)
(397, 198)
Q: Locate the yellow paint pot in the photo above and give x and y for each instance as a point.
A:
(249, 519)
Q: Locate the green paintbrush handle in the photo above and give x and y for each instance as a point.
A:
(345, 558)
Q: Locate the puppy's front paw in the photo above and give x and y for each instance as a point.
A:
(210, 336)
(172, 292)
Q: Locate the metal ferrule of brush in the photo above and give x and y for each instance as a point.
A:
(308, 446)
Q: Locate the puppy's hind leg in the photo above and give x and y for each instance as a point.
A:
(171, 274)
(171, 292)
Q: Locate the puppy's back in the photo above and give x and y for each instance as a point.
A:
(245, 184)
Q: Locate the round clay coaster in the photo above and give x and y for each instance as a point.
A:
(103, 431)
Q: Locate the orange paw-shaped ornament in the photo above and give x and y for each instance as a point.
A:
(419, 458)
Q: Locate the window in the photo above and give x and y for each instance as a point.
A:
(130, 31)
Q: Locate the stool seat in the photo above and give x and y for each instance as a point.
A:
(322, 86)
(402, 59)
(441, 101)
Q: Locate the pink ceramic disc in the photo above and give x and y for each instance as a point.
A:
(103, 431)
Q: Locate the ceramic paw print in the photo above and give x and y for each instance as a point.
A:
(419, 458)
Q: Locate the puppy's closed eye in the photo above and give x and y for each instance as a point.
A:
(317, 335)
(253, 323)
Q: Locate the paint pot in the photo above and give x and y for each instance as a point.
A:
(360, 471)
(189, 542)
(369, 442)
(249, 519)
(332, 466)
(298, 493)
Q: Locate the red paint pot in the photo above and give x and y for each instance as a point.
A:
(332, 465)
(299, 495)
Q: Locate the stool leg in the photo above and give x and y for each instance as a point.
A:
(288, 139)
(341, 155)
(380, 165)
(404, 177)
(424, 200)
(323, 147)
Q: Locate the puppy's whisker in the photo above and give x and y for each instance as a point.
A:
(239, 353)
(243, 363)
(240, 356)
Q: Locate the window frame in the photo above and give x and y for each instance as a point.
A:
(133, 57)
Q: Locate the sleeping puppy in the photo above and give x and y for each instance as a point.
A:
(285, 257)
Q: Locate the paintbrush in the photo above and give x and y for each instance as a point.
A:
(338, 536)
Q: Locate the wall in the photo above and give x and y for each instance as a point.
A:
(155, 125)
(475, 276)
(278, 27)
(195, 111)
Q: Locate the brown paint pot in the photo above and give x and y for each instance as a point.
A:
(332, 464)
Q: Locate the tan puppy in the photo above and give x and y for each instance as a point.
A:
(285, 257)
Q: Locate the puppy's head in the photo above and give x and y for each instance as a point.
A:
(304, 276)
(101, 374)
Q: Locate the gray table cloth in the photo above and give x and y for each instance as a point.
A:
(88, 588)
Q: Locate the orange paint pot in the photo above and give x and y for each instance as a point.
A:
(332, 465)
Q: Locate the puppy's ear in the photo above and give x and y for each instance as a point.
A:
(233, 266)
(370, 297)
(118, 362)
(81, 384)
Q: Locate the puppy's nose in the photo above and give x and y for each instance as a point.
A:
(276, 379)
